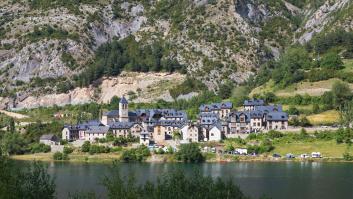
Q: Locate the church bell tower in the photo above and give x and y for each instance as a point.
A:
(123, 110)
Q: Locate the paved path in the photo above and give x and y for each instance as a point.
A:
(14, 115)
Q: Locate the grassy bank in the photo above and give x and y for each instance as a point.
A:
(332, 156)
(74, 157)
(329, 149)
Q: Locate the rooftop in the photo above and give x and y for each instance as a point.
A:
(254, 102)
(123, 100)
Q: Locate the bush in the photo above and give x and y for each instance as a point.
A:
(274, 134)
(60, 156)
(293, 111)
(98, 149)
(189, 153)
(344, 135)
(225, 90)
(347, 156)
(86, 146)
(68, 150)
(40, 148)
(137, 154)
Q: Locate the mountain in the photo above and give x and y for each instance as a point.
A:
(50, 47)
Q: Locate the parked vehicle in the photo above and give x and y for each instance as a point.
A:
(276, 155)
(316, 155)
(290, 156)
(241, 151)
(213, 150)
(304, 155)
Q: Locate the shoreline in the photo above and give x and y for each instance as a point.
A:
(110, 157)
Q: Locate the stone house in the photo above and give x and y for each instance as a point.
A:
(211, 132)
(163, 130)
(49, 139)
(191, 133)
(93, 133)
(249, 105)
(276, 121)
(221, 109)
(124, 129)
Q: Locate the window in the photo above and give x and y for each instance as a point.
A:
(242, 119)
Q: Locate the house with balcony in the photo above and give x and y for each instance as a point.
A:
(276, 121)
(249, 105)
(221, 109)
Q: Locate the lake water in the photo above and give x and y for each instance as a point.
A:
(289, 180)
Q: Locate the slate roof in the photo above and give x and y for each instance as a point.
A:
(269, 108)
(115, 113)
(215, 124)
(254, 102)
(277, 116)
(144, 132)
(123, 100)
(173, 123)
(97, 129)
(92, 123)
(207, 118)
(154, 114)
(50, 137)
(256, 114)
(237, 115)
(121, 125)
(216, 106)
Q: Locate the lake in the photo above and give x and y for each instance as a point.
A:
(290, 180)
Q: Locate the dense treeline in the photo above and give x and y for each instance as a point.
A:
(323, 43)
(320, 59)
(296, 65)
(128, 54)
(13, 142)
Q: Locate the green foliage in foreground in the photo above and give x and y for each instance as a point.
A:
(17, 182)
(173, 185)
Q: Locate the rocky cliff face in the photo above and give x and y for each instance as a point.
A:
(217, 40)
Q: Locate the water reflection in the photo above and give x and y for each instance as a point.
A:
(289, 179)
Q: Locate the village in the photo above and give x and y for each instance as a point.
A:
(155, 127)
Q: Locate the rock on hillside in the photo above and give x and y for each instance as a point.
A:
(138, 87)
(51, 40)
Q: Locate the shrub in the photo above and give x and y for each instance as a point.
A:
(137, 154)
(293, 111)
(265, 146)
(86, 146)
(347, 156)
(98, 149)
(68, 150)
(189, 153)
(40, 148)
(60, 156)
(274, 134)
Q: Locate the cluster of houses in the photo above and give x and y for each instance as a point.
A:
(215, 122)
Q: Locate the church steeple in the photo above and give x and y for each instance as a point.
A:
(123, 110)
